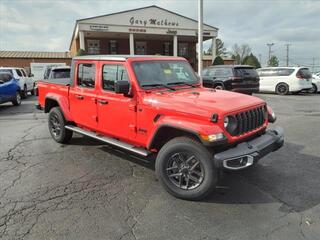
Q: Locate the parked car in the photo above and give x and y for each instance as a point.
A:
(315, 84)
(141, 104)
(26, 82)
(9, 89)
(285, 80)
(58, 74)
(238, 78)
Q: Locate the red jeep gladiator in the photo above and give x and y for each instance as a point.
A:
(157, 105)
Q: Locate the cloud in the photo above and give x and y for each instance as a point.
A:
(48, 25)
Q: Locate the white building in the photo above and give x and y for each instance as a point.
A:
(144, 31)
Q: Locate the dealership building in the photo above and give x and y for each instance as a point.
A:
(144, 31)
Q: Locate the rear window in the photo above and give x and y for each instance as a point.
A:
(245, 72)
(60, 73)
(304, 73)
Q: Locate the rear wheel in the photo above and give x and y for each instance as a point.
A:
(314, 89)
(282, 89)
(56, 124)
(219, 86)
(17, 99)
(185, 168)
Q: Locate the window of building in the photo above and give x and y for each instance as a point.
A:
(111, 74)
(141, 48)
(93, 46)
(86, 75)
(113, 47)
(183, 49)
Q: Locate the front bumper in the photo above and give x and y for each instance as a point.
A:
(246, 154)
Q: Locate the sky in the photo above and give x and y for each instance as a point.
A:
(41, 25)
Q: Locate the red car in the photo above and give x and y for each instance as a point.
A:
(157, 105)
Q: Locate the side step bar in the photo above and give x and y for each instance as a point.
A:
(112, 141)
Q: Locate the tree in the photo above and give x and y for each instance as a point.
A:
(273, 62)
(220, 49)
(218, 61)
(252, 60)
(240, 52)
(81, 52)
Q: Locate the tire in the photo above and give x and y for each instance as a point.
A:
(32, 92)
(282, 89)
(219, 86)
(56, 124)
(17, 100)
(314, 89)
(180, 159)
(24, 93)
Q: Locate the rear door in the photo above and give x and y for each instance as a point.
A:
(116, 112)
(82, 95)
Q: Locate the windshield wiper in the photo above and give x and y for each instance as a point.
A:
(158, 85)
(182, 83)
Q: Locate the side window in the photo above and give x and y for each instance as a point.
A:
(23, 73)
(212, 72)
(111, 74)
(86, 75)
(19, 73)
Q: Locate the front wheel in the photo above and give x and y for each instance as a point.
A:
(17, 99)
(185, 168)
(24, 92)
(56, 124)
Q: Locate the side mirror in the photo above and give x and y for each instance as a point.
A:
(31, 75)
(122, 86)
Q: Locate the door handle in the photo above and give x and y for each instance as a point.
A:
(102, 101)
(79, 97)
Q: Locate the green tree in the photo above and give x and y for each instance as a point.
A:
(220, 49)
(81, 52)
(273, 62)
(218, 61)
(252, 60)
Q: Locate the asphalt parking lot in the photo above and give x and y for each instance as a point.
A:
(86, 190)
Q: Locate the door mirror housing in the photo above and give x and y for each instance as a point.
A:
(122, 86)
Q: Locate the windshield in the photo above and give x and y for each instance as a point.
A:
(60, 73)
(163, 73)
(6, 71)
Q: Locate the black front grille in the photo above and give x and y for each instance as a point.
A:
(247, 121)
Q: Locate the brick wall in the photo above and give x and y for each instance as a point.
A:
(25, 62)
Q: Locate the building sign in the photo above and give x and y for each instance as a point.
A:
(137, 30)
(153, 22)
(100, 28)
(174, 32)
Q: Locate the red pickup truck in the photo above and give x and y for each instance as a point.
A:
(157, 105)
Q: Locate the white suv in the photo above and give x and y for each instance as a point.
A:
(284, 80)
(26, 82)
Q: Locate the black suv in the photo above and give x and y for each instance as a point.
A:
(238, 78)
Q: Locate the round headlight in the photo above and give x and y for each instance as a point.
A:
(226, 122)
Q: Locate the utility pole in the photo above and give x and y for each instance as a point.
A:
(260, 58)
(269, 46)
(287, 59)
(200, 35)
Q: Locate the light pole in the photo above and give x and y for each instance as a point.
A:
(200, 35)
(287, 60)
(269, 45)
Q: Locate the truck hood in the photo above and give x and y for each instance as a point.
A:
(201, 101)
